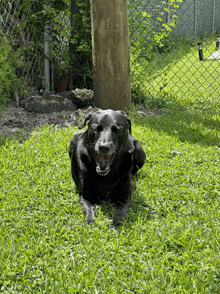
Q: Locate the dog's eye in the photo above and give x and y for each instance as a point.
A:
(114, 129)
(99, 128)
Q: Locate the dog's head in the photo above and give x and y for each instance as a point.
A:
(107, 132)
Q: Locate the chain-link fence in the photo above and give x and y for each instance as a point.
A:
(194, 16)
(55, 47)
(16, 27)
(171, 43)
(52, 40)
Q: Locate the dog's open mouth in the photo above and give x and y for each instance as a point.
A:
(104, 164)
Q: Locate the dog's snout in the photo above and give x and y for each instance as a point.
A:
(104, 148)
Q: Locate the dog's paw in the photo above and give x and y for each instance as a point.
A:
(116, 223)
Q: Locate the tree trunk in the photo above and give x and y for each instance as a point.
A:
(110, 53)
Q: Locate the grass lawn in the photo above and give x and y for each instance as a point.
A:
(169, 242)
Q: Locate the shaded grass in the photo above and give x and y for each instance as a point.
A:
(168, 244)
(186, 124)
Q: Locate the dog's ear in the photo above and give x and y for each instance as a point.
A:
(127, 119)
(85, 122)
(88, 117)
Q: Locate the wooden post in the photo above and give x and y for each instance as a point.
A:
(110, 53)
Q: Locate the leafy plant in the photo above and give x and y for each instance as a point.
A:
(70, 50)
(8, 63)
(70, 41)
(150, 36)
(80, 49)
(149, 30)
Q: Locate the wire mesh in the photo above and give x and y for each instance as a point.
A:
(27, 27)
(164, 37)
(165, 60)
(16, 26)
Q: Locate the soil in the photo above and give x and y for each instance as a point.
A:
(16, 120)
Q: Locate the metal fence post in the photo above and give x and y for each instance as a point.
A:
(200, 51)
(213, 17)
(46, 56)
(195, 18)
(72, 47)
(217, 42)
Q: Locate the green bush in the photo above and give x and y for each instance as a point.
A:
(7, 71)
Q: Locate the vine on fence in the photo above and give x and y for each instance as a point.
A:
(70, 43)
(69, 50)
(150, 31)
(149, 35)
(70, 37)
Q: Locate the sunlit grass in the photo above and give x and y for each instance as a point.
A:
(180, 75)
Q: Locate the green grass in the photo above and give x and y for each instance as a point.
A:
(169, 242)
(180, 75)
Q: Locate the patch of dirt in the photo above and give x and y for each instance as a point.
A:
(16, 120)
(151, 112)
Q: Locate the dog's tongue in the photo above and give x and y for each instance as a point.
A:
(103, 161)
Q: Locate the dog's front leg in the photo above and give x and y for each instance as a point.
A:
(121, 212)
(88, 210)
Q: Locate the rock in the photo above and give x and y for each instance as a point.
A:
(47, 93)
(53, 103)
(81, 97)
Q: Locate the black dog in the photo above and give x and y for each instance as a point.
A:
(103, 160)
